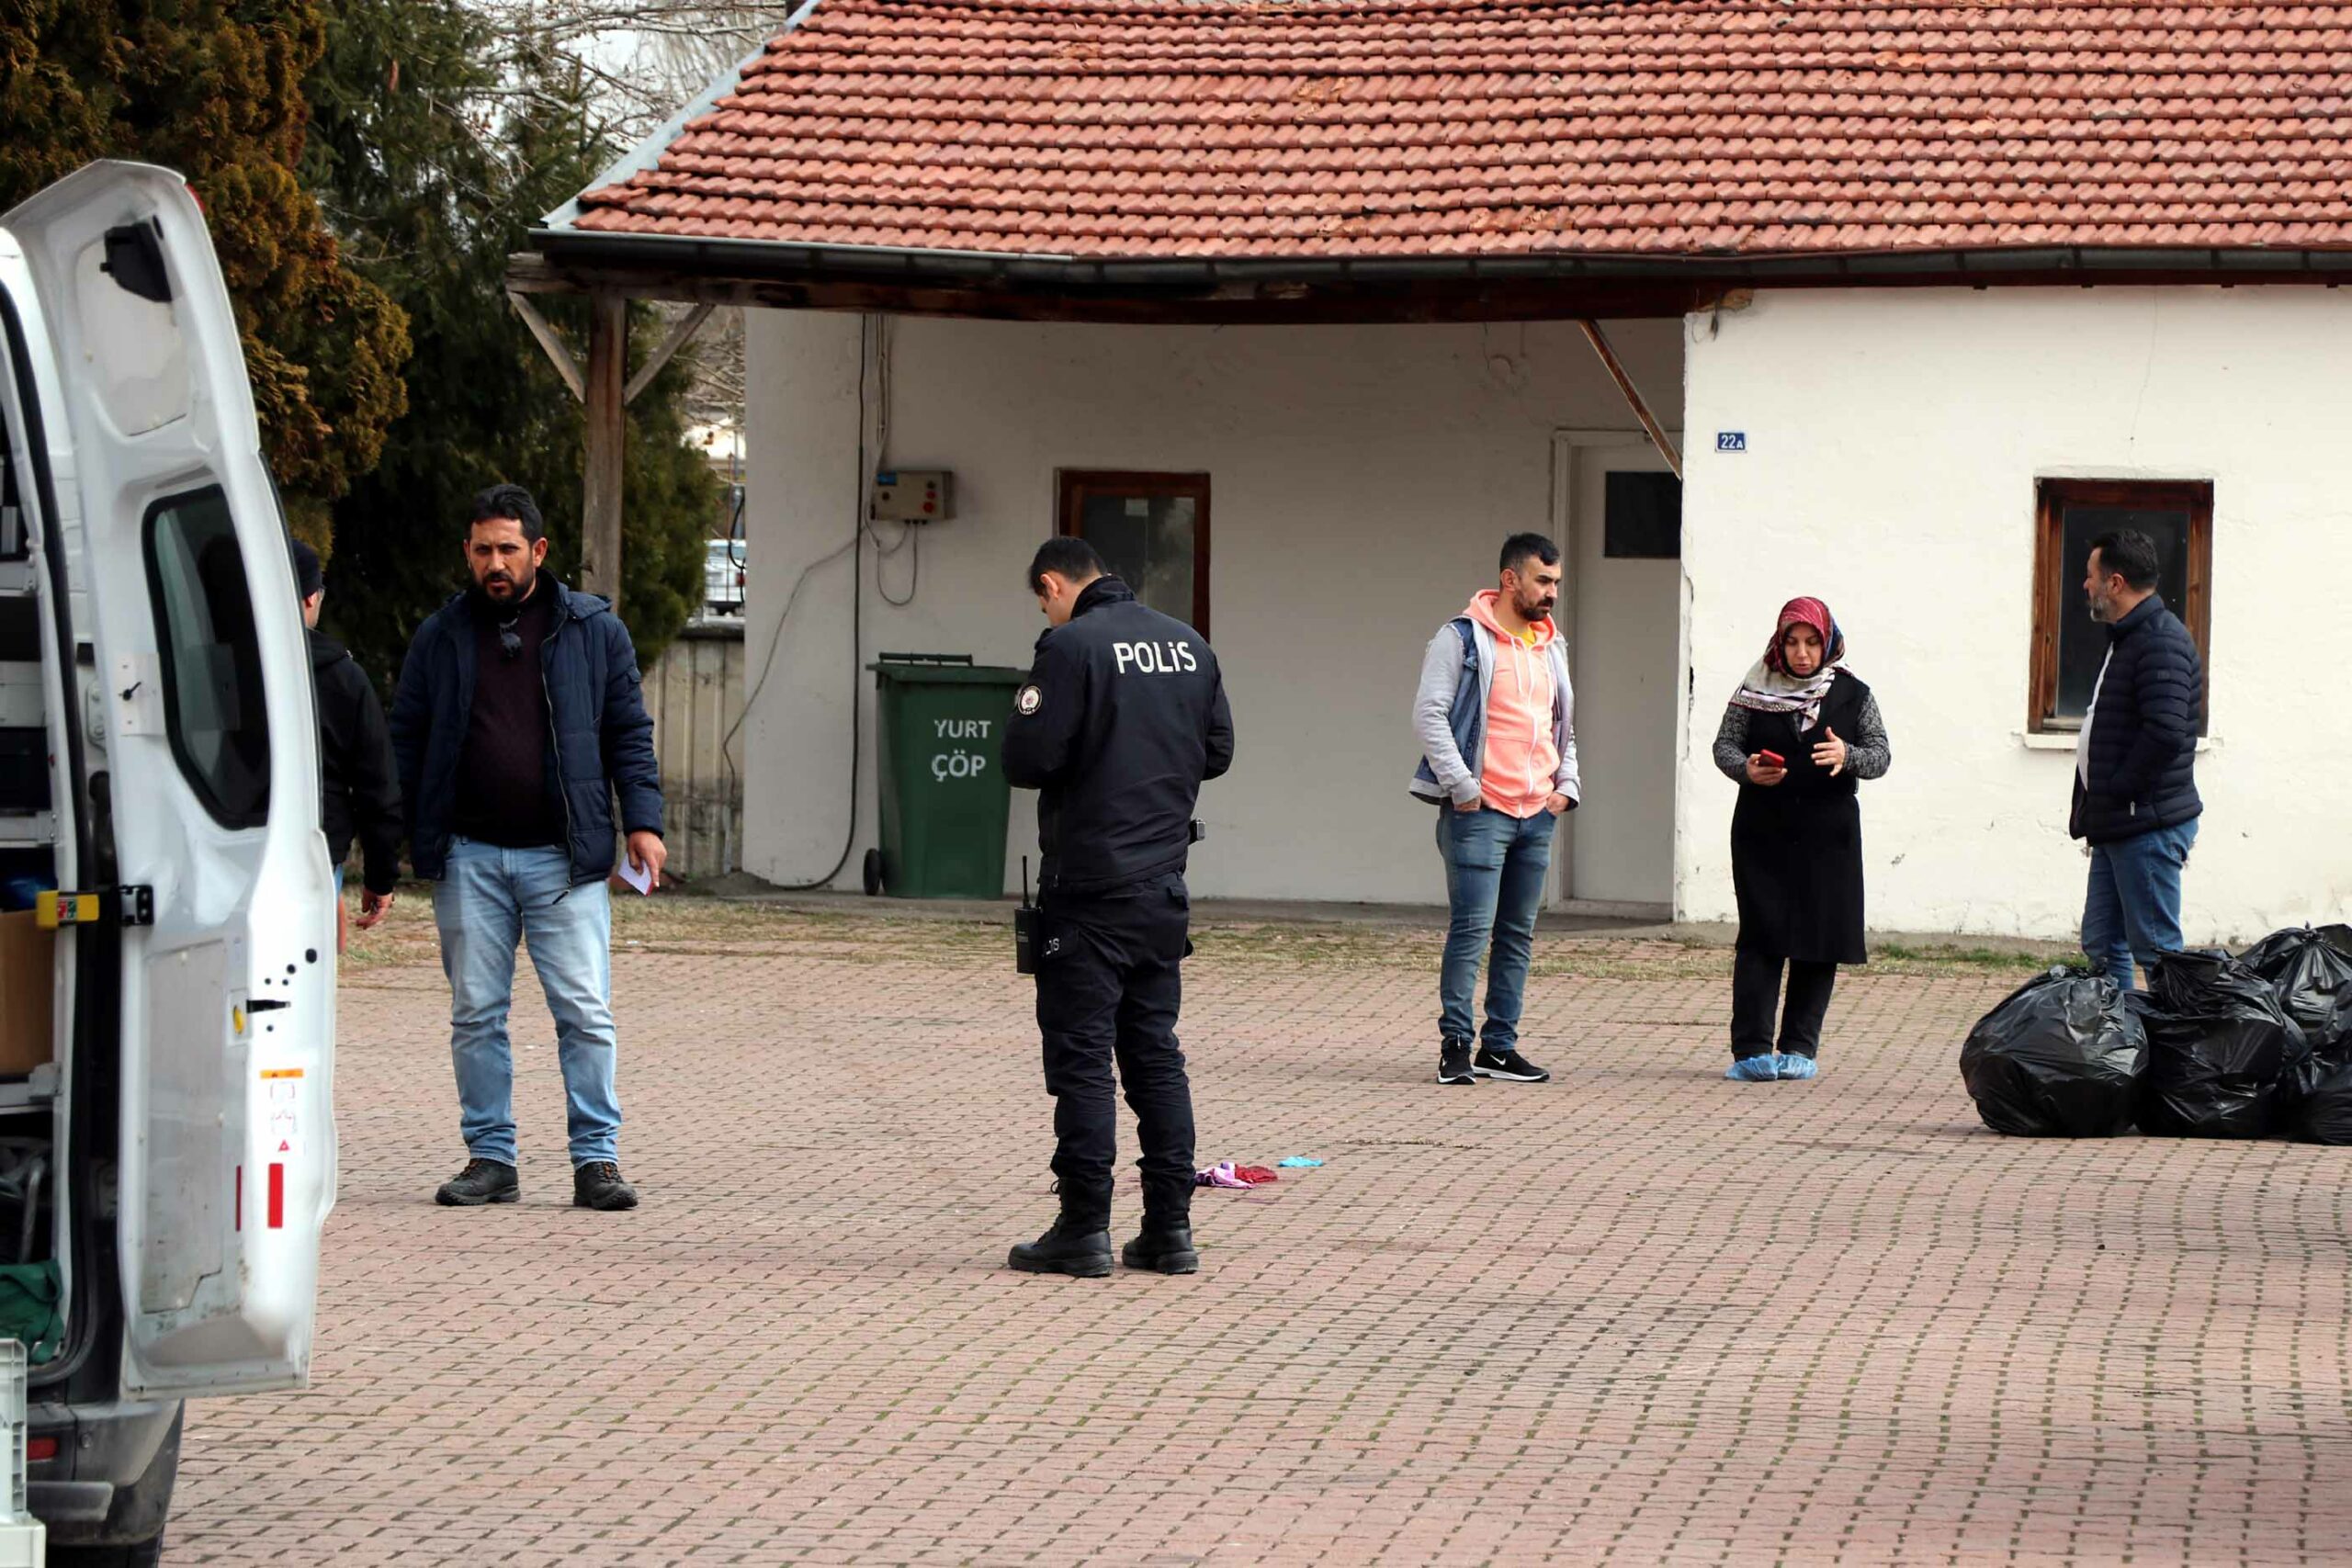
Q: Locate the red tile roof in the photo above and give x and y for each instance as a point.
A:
(1232, 129)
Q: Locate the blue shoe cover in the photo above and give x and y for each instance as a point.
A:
(1797, 1067)
(1755, 1070)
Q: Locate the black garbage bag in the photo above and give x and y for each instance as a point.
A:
(2310, 971)
(2323, 1114)
(2056, 1059)
(2224, 1060)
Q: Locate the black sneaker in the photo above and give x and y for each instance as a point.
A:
(598, 1185)
(482, 1182)
(1508, 1065)
(1064, 1250)
(1454, 1063)
(1163, 1249)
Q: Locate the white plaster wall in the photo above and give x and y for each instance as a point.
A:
(1895, 438)
(1361, 479)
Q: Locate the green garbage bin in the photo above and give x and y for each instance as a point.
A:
(939, 729)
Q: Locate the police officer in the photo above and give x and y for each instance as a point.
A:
(1123, 717)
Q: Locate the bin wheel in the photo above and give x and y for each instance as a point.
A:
(873, 873)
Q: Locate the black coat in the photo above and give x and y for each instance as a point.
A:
(1124, 715)
(600, 742)
(2142, 731)
(1797, 847)
(359, 791)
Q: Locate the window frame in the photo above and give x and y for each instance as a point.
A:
(2050, 568)
(199, 783)
(1073, 487)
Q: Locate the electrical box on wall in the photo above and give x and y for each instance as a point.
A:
(914, 495)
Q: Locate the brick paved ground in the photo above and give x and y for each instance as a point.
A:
(1637, 1314)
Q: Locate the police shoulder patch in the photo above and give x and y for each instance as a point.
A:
(1028, 700)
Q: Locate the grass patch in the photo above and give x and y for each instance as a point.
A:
(1945, 956)
(711, 927)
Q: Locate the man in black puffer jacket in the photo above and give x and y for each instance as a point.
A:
(2135, 783)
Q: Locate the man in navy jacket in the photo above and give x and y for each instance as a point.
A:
(517, 721)
(2136, 785)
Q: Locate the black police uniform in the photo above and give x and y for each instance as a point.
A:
(1124, 717)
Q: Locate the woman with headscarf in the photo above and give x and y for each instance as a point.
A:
(1798, 733)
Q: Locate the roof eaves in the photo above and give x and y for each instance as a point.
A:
(647, 154)
(833, 257)
(1015, 273)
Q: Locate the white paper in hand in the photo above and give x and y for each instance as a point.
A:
(637, 876)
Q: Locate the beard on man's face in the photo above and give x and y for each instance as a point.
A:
(504, 582)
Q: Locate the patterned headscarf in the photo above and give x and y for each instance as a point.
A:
(1769, 688)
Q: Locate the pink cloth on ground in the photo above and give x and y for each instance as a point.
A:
(1225, 1173)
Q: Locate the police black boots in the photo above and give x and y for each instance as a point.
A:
(1166, 1244)
(1165, 1247)
(1078, 1245)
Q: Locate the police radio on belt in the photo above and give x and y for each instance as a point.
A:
(1025, 928)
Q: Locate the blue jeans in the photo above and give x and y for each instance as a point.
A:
(2134, 909)
(1495, 865)
(489, 899)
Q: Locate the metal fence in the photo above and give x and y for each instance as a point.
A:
(696, 695)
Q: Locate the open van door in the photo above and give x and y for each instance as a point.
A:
(211, 735)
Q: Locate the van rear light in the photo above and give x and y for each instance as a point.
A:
(40, 1449)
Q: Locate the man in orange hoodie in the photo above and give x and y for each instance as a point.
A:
(1495, 720)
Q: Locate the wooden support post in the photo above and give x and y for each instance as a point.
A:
(679, 336)
(600, 510)
(1599, 341)
(544, 333)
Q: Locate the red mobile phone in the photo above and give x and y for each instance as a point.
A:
(1772, 759)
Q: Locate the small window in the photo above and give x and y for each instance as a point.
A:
(1642, 516)
(1151, 530)
(212, 684)
(2068, 646)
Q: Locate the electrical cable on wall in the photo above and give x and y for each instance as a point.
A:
(790, 599)
(860, 529)
(914, 579)
(910, 537)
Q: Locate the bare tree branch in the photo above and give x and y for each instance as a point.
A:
(642, 60)
(646, 59)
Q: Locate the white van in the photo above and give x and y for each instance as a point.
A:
(152, 655)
